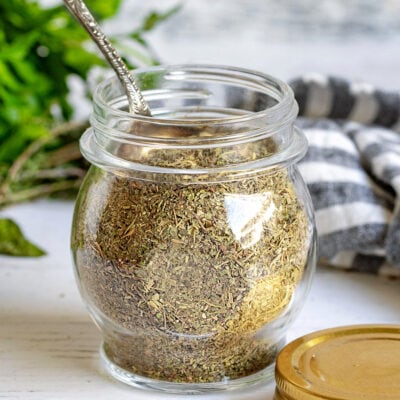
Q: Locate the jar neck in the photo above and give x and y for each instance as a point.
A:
(205, 120)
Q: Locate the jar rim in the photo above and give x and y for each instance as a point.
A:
(286, 104)
(260, 108)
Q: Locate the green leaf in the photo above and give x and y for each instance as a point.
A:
(80, 61)
(154, 18)
(13, 242)
(19, 47)
(8, 79)
(103, 9)
(24, 71)
(11, 147)
(151, 21)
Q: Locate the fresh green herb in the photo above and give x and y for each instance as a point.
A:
(40, 49)
(150, 22)
(13, 243)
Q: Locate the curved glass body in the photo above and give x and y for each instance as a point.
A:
(193, 235)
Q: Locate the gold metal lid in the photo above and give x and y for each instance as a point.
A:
(360, 362)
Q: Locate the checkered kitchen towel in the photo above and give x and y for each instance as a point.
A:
(352, 170)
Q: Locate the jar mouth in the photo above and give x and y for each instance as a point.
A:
(205, 118)
(277, 107)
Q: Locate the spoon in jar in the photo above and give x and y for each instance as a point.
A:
(137, 104)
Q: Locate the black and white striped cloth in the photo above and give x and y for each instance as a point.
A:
(352, 170)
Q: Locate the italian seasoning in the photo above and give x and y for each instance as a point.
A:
(189, 275)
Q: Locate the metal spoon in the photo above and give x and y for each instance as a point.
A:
(137, 104)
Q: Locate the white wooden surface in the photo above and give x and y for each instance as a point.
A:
(48, 344)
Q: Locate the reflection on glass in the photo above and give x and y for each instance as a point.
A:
(247, 215)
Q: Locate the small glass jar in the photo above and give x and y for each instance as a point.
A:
(193, 234)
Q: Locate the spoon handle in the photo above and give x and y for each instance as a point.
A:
(137, 103)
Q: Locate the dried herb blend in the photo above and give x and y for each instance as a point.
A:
(188, 274)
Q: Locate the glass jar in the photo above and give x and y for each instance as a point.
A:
(193, 234)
